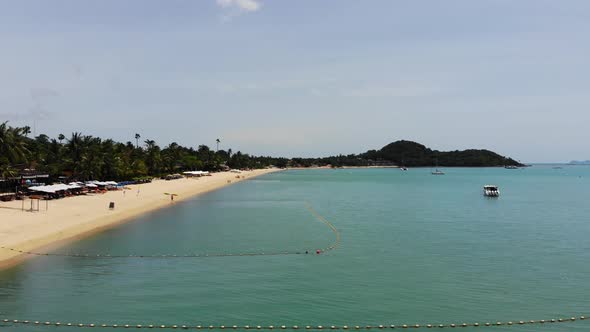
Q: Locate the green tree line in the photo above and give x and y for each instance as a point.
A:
(85, 157)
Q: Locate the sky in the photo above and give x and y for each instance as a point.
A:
(306, 77)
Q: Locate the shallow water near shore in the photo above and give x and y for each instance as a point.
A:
(416, 248)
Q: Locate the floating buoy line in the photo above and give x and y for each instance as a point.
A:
(38, 323)
(308, 206)
(15, 322)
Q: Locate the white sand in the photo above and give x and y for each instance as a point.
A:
(74, 217)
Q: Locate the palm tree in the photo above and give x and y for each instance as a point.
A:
(137, 137)
(6, 171)
(75, 148)
(12, 145)
(153, 158)
(91, 164)
(61, 137)
(203, 152)
(26, 130)
(217, 141)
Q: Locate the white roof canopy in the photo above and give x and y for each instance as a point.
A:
(72, 185)
(195, 173)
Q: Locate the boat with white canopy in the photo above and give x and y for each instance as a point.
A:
(491, 190)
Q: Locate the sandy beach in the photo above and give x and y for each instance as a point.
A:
(75, 217)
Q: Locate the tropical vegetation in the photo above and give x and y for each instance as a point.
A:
(411, 154)
(86, 157)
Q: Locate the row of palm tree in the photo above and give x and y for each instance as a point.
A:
(85, 157)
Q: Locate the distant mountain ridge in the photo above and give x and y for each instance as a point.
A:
(578, 162)
(408, 153)
(411, 154)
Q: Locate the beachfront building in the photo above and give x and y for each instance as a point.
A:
(13, 186)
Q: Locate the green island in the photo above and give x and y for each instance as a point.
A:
(412, 154)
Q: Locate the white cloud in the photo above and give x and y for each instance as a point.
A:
(235, 8)
(242, 5)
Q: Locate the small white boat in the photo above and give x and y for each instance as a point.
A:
(437, 171)
(491, 190)
(511, 167)
(404, 168)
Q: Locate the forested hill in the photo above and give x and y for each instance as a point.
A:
(411, 154)
(407, 153)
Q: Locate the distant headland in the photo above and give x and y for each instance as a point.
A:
(578, 162)
(411, 154)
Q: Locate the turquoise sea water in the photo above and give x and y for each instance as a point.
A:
(416, 248)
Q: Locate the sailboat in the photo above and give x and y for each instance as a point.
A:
(437, 171)
(403, 168)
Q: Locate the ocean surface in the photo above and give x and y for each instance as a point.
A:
(415, 248)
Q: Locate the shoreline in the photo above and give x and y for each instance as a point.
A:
(343, 167)
(408, 167)
(74, 218)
